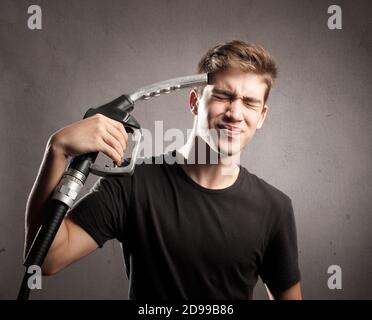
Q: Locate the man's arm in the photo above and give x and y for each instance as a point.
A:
(93, 134)
(77, 244)
(292, 293)
(71, 242)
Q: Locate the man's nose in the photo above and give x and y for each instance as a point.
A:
(235, 109)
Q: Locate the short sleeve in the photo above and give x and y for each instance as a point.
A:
(102, 211)
(280, 269)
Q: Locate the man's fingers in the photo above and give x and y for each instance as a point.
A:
(114, 137)
(110, 152)
(114, 144)
(118, 135)
(119, 126)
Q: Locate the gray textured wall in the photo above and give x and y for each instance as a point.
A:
(315, 145)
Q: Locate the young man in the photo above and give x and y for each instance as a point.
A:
(191, 229)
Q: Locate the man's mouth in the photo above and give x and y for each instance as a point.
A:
(229, 129)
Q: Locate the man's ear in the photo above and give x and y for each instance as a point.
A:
(194, 102)
(263, 115)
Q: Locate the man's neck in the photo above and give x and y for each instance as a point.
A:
(205, 167)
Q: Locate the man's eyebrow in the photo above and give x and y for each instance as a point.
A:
(232, 94)
(223, 91)
(252, 100)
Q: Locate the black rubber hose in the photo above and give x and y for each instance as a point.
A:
(43, 240)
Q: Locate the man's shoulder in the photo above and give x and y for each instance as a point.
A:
(270, 192)
(152, 165)
(151, 161)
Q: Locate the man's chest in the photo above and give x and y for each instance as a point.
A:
(221, 231)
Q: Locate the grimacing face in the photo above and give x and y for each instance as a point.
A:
(229, 111)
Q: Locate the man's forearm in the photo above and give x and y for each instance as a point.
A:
(50, 173)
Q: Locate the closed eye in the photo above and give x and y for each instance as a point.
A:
(221, 97)
(251, 104)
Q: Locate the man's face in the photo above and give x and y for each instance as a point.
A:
(230, 110)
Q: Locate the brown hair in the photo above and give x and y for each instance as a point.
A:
(241, 55)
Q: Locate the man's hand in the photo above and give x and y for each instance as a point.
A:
(96, 133)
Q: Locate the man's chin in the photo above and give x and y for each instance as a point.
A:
(222, 146)
(229, 150)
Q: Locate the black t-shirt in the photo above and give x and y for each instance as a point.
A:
(183, 241)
